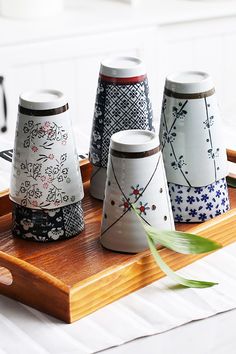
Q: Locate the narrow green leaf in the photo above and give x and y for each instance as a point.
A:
(168, 271)
(231, 181)
(181, 242)
(178, 241)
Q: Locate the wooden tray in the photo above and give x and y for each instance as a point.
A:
(70, 279)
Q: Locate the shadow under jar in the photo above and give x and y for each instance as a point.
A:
(193, 147)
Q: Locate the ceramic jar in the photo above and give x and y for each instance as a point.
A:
(122, 103)
(193, 147)
(135, 176)
(46, 186)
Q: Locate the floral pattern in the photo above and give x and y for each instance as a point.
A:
(135, 194)
(45, 174)
(117, 107)
(198, 204)
(188, 138)
(47, 131)
(47, 225)
(30, 193)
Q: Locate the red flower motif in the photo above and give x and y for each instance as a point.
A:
(34, 203)
(143, 208)
(34, 148)
(63, 142)
(125, 204)
(136, 191)
(45, 185)
(51, 156)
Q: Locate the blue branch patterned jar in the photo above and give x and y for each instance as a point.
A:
(122, 103)
(193, 147)
(46, 186)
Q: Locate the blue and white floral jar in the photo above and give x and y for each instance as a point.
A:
(46, 185)
(193, 147)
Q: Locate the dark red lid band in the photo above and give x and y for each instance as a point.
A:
(123, 80)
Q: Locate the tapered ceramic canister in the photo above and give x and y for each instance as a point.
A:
(193, 147)
(122, 103)
(135, 176)
(46, 186)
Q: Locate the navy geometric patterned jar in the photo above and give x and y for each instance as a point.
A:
(122, 103)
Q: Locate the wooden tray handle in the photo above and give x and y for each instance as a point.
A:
(28, 284)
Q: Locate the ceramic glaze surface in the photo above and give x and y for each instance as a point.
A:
(141, 182)
(45, 172)
(198, 204)
(119, 106)
(191, 138)
(122, 103)
(47, 225)
(98, 182)
(122, 66)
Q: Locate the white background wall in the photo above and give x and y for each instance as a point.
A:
(65, 52)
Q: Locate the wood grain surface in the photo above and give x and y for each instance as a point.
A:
(70, 279)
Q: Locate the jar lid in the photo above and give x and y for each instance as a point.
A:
(42, 99)
(189, 82)
(122, 67)
(134, 141)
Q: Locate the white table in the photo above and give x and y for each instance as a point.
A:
(214, 335)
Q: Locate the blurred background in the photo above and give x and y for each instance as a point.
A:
(59, 44)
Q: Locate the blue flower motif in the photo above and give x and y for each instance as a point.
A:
(218, 194)
(178, 199)
(192, 212)
(223, 201)
(202, 216)
(190, 199)
(218, 212)
(211, 188)
(209, 206)
(198, 190)
(178, 218)
(204, 197)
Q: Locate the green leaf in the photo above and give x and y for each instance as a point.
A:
(231, 181)
(168, 271)
(181, 242)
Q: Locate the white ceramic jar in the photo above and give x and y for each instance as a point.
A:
(193, 147)
(135, 177)
(46, 186)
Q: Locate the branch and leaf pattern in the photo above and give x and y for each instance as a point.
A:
(47, 130)
(213, 153)
(169, 135)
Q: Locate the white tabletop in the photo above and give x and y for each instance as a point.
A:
(214, 335)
